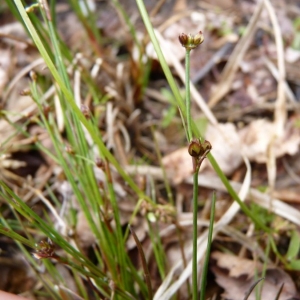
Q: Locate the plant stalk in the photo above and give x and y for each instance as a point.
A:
(188, 95)
(195, 176)
(195, 235)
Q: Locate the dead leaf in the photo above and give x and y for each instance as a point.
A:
(256, 138)
(236, 276)
(226, 146)
(235, 265)
(178, 165)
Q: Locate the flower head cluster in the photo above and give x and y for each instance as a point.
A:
(189, 41)
(198, 150)
(45, 249)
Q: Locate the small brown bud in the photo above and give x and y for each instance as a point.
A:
(195, 148)
(85, 110)
(44, 250)
(69, 150)
(198, 38)
(33, 75)
(189, 41)
(183, 39)
(206, 146)
(100, 163)
(25, 92)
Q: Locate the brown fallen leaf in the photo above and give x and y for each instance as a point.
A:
(256, 138)
(226, 146)
(178, 164)
(236, 276)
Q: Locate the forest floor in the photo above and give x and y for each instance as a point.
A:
(245, 102)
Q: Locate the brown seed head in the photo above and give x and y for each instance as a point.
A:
(195, 148)
(189, 41)
(206, 146)
(45, 249)
(183, 39)
(198, 38)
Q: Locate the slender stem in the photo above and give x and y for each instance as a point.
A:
(195, 235)
(195, 177)
(209, 242)
(188, 94)
(195, 180)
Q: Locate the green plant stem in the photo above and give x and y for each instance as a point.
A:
(195, 234)
(209, 242)
(195, 177)
(188, 95)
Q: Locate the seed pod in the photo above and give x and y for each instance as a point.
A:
(198, 38)
(195, 148)
(45, 249)
(189, 41)
(183, 39)
(206, 146)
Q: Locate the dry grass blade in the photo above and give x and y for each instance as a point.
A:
(20, 74)
(279, 292)
(235, 59)
(280, 110)
(272, 68)
(144, 263)
(252, 288)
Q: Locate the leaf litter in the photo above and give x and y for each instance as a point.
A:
(249, 94)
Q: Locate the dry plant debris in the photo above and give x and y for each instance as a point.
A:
(236, 275)
(246, 88)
